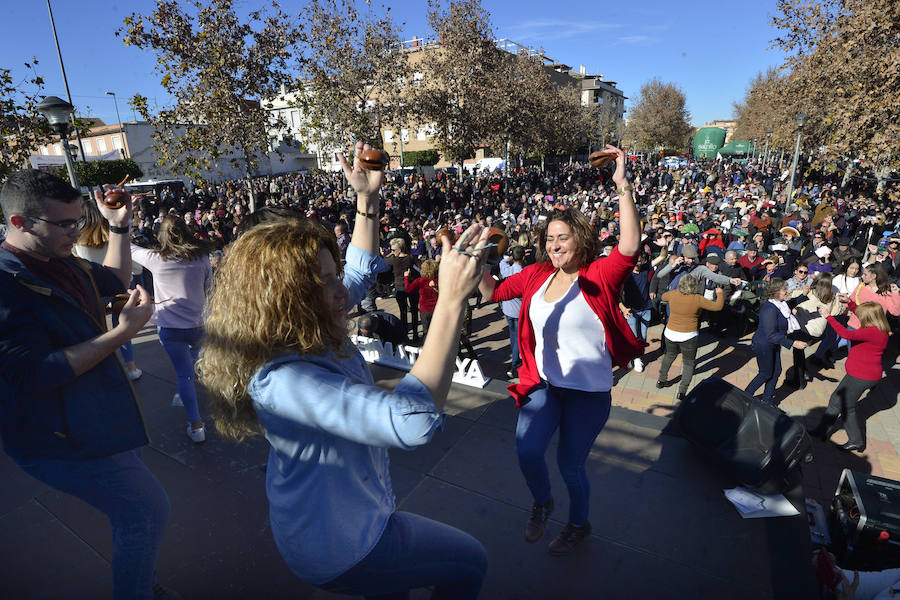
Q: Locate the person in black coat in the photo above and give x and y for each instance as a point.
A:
(775, 322)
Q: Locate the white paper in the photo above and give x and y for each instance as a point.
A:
(753, 505)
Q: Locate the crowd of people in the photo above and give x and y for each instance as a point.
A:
(595, 257)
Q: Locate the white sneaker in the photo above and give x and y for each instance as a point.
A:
(638, 365)
(197, 435)
(135, 374)
(176, 400)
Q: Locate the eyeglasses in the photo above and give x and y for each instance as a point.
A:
(68, 226)
(802, 272)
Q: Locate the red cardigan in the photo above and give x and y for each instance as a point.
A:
(601, 284)
(864, 360)
(427, 293)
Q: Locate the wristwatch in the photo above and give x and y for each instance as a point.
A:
(625, 188)
(116, 229)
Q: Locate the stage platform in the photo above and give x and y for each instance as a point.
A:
(662, 528)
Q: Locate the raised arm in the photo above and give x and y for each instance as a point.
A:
(367, 184)
(629, 223)
(118, 250)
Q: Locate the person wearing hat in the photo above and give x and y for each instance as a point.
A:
(843, 252)
(739, 241)
(792, 239)
(712, 242)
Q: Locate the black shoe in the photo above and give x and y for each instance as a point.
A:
(816, 362)
(537, 522)
(851, 447)
(661, 384)
(568, 538)
(679, 396)
(807, 376)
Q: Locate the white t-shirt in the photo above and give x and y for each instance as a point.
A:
(844, 285)
(570, 341)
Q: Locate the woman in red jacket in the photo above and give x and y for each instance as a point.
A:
(571, 333)
(863, 372)
(426, 289)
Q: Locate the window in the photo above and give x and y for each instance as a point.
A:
(86, 144)
(404, 135)
(389, 135)
(101, 146)
(295, 118)
(117, 142)
(418, 77)
(421, 133)
(44, 150)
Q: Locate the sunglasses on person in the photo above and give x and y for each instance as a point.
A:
(68, 226)
(802, 271)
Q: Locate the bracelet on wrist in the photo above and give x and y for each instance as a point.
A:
(123, 229)
(373, 215)
(626, 188)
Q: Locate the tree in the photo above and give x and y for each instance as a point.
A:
(352, 68)
(660, 118)
(844, 72)
(458, 93)
(219, 70)
(99, 172)
(22, 128)
(421, 158)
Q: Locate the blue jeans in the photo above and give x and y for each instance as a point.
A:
(580, 416)
(416, 552)
(768, 359)
(639, 321)
(122, 488)
(513, 324)
(183, 348)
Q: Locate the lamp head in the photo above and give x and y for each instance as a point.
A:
(56, 110)
(768, 132)
(110, 94)
(801, 120)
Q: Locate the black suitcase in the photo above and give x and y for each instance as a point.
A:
(865, 522)
(756, 443)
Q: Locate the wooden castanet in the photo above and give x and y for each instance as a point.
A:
(601, 157)
(373, 160)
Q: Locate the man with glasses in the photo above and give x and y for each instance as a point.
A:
(68, 414)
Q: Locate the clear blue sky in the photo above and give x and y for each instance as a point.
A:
(710, 49)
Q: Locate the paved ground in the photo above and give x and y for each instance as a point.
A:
(662, 528)
(732, 359)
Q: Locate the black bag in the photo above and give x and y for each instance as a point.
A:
(756, 443)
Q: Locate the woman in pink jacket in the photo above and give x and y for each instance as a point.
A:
(571, 333)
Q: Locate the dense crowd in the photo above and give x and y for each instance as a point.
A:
(594, 258)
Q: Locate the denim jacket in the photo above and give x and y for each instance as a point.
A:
(46, 411)
(330, 427)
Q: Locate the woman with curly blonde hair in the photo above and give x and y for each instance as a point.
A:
(277, 360)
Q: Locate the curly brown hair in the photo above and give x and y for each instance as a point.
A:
(585, 238)
(267, 299)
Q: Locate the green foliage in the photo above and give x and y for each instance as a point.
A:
(421, 158)
(99, 172)
(22, 127)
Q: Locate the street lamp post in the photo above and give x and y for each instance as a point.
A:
(801, 121)
(119, 119)
(753, 155)
(766, 155)
(57, 112)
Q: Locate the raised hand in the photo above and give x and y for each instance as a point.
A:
(366, 182)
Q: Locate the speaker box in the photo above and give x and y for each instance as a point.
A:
(865, 522)
(756, 443)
